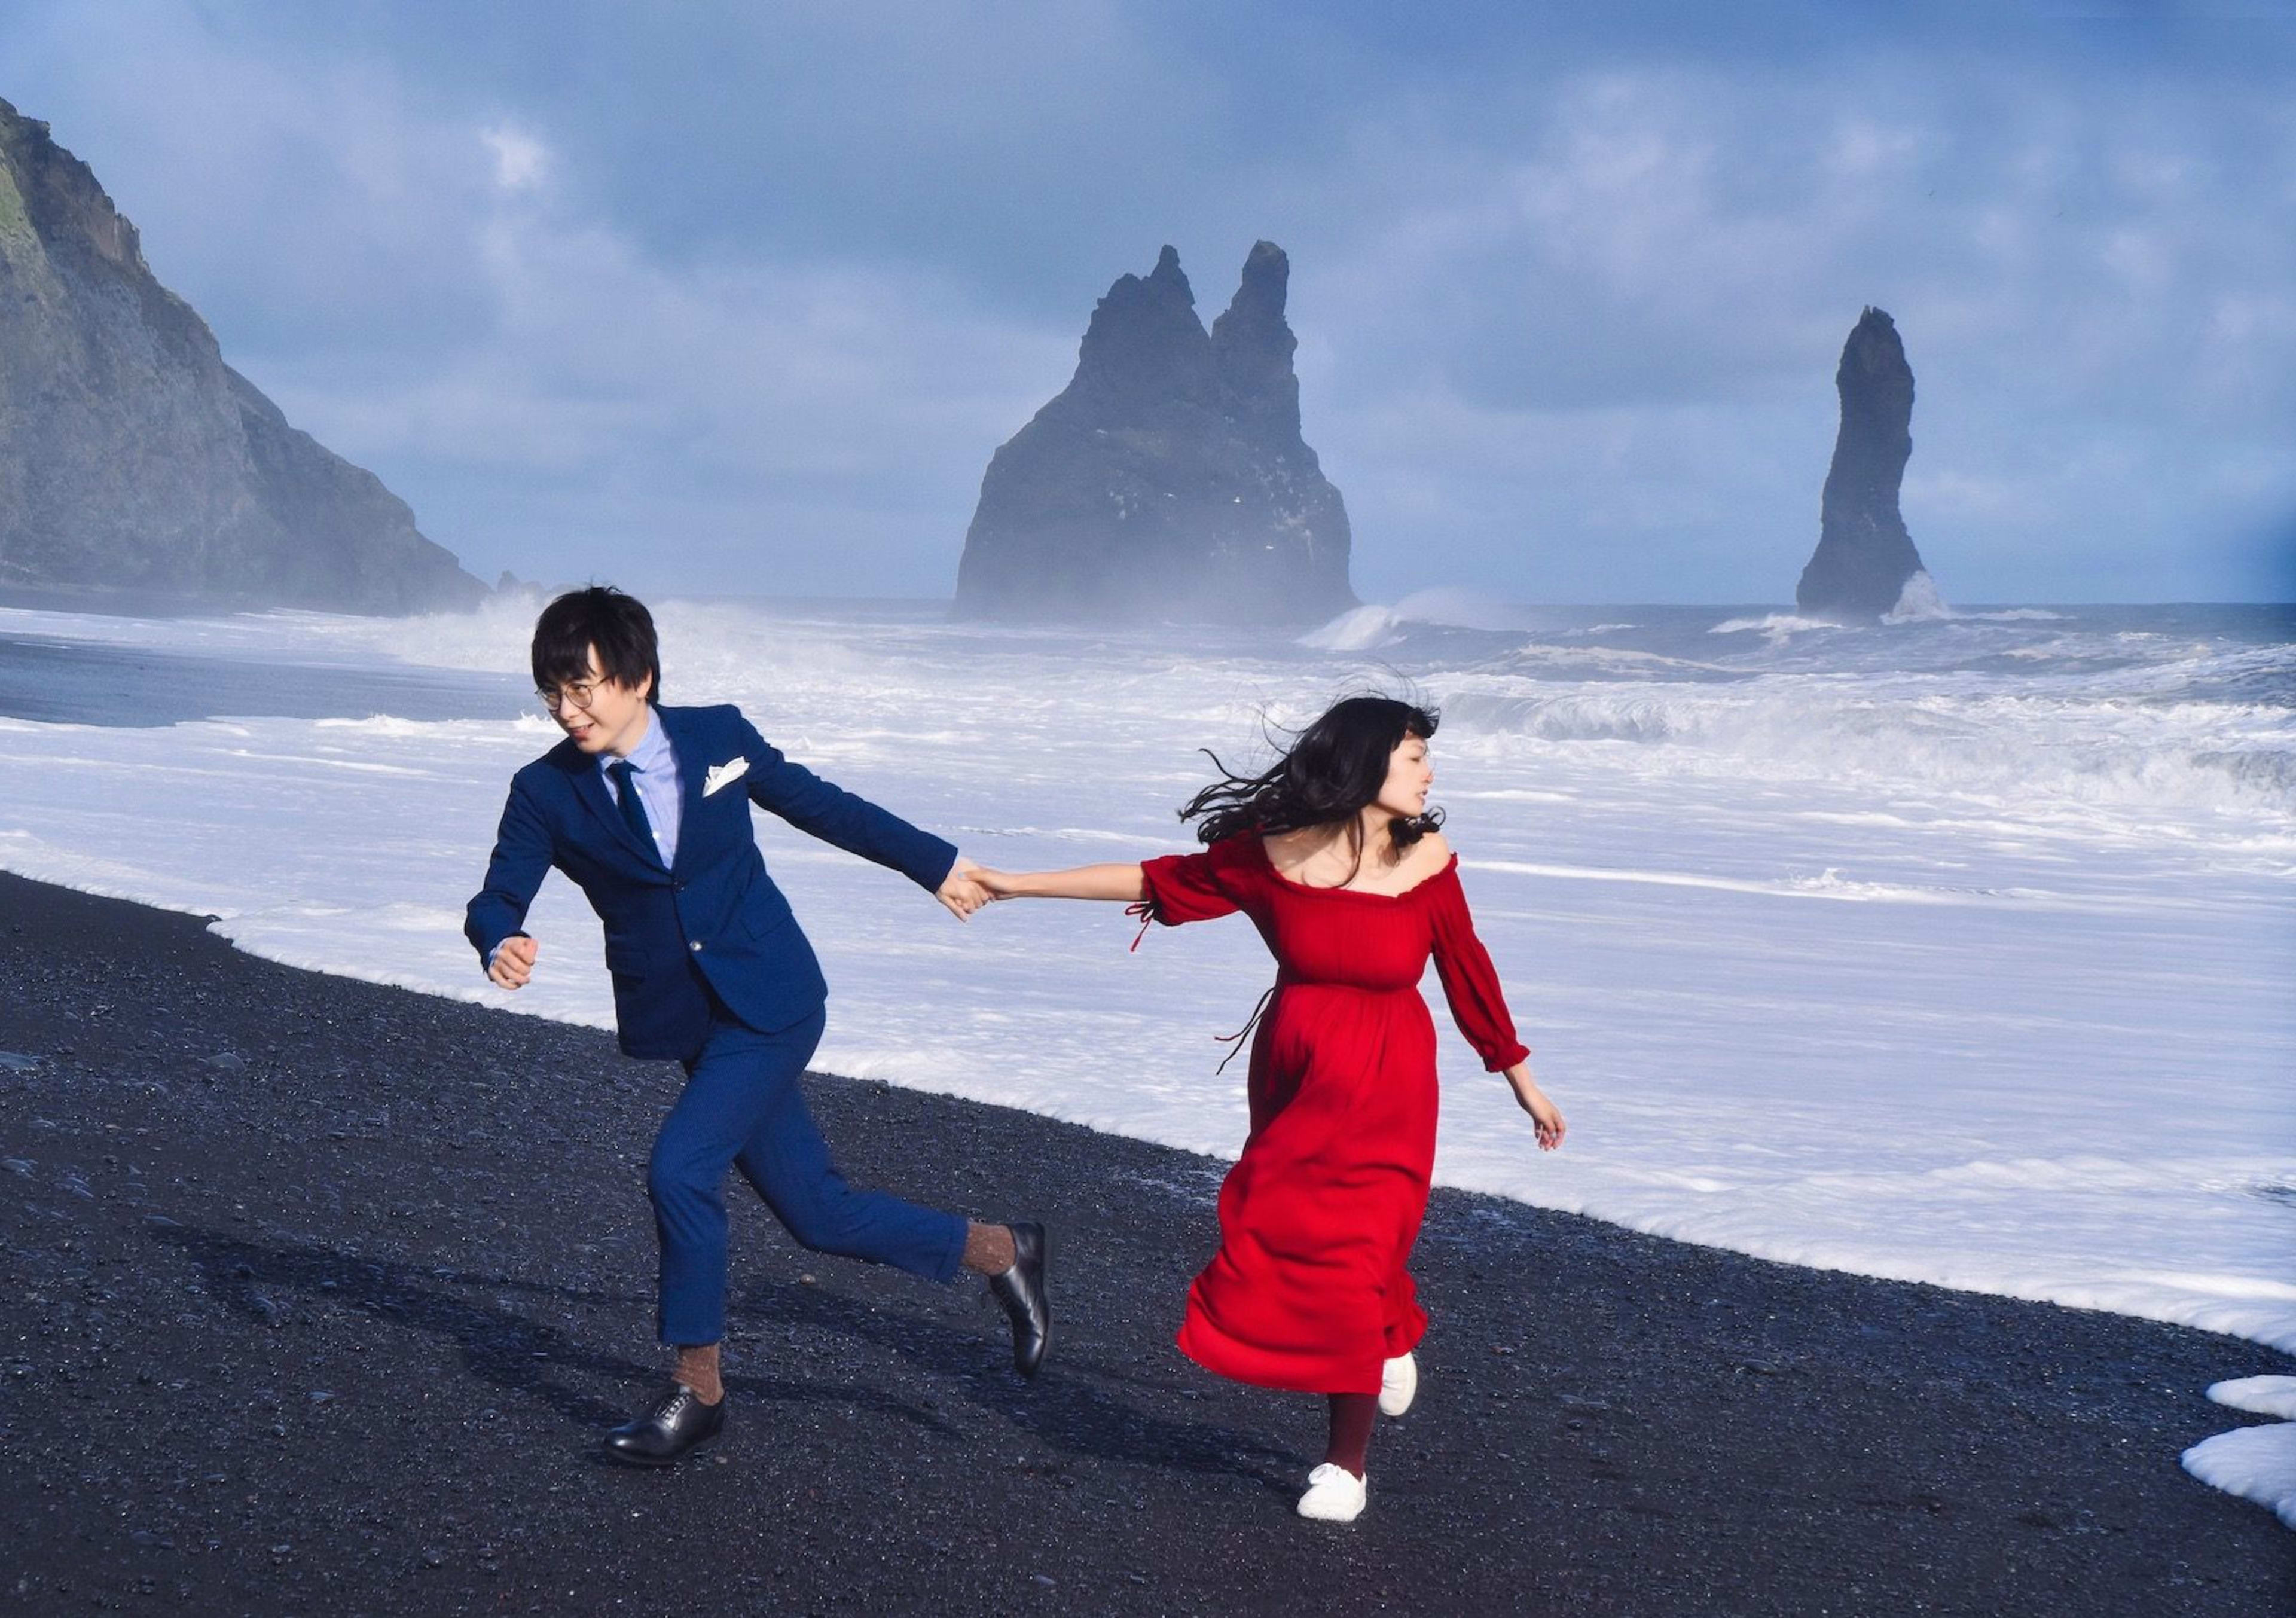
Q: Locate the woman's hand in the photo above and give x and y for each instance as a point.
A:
(1545, 1115)
(996, 885)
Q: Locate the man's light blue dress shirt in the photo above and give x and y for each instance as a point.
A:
(653, 763)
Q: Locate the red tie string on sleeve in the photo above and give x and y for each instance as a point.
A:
(1146, 911)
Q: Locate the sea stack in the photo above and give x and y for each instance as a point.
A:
(1168, 480)
(1866, 565)
(133, 459)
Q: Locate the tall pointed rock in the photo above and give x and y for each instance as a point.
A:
(1252, 349)
(132, 458)
(1168, 480)
(1866, 562)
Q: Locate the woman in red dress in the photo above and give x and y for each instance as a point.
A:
(1333, 853)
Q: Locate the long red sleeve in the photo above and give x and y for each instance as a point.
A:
(1191, 887)
(1470, 983)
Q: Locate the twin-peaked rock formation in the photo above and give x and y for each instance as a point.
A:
(1168, 480)
(132, 459)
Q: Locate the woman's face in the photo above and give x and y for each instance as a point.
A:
(1409, 778)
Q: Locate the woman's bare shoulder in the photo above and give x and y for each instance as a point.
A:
(1421, 863)
(1286, 850)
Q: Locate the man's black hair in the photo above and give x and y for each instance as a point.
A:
(617, 624)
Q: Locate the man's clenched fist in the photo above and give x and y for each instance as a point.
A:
(513, 962)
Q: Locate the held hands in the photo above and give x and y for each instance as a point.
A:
(960, 892)
(513, 962)
(1546, 1117)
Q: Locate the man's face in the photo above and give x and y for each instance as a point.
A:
(599, 714)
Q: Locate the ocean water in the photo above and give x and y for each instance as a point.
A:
(1955, 949)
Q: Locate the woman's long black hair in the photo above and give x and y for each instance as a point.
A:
(1331, 772)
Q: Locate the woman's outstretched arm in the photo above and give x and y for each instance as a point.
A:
(1122, 882)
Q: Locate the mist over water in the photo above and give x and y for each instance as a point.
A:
(1954, 949)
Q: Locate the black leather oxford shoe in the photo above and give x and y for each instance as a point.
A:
(1021, 1291)
(674, 1422)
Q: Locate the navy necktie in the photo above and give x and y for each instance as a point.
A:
(624, 774)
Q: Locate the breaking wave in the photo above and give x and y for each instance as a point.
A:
(2004, 750)
(1918, 602)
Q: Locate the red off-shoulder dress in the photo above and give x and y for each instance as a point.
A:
(1309, 1290)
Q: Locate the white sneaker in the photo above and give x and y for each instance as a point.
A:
(1399, 1385)
(1334, 1495)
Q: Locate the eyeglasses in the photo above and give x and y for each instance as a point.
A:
(579, 693)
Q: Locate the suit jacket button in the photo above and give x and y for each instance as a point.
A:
(697, 943)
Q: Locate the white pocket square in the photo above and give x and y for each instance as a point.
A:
(733, 770)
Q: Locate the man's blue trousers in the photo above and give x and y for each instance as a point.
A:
(742, 1107)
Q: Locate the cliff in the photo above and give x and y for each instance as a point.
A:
(1864, 559)
(1168, 478)
(133, 459)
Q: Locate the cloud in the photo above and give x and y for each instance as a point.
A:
(521, 161)
(762, 424)
(759, 293)
(1648, 275)
(550, 393)
(300, 200)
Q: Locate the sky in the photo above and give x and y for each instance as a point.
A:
(708, 296)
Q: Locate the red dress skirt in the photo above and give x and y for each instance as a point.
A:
(1309, 1290)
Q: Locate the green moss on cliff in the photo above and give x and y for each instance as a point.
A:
(15, 224)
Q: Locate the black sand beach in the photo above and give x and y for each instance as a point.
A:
(316, 1296)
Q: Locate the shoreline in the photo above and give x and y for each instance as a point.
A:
(50, 680)
(357, 1272)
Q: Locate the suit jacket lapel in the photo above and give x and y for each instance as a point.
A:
(692, 768)
(590, 787)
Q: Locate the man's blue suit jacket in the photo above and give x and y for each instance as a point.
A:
(714, 915)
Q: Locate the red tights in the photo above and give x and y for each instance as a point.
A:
(1353, 1416)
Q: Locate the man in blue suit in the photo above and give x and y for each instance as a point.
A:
(647, 809)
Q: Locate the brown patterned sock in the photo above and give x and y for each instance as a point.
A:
(697, 1369)
(989, 1249)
